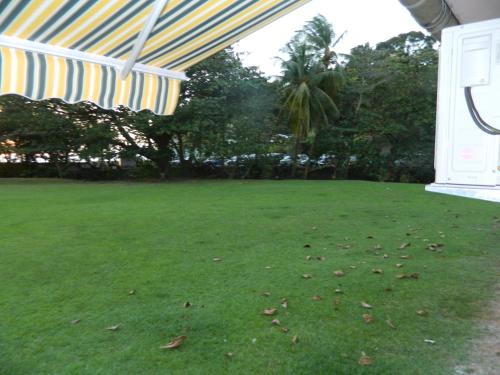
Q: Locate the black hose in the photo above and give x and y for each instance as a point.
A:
(474, 113)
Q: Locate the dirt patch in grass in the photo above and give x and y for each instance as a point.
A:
(485, 355)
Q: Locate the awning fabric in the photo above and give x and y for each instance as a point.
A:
(39, 76)
(77, 49)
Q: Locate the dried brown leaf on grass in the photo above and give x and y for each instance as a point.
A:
(174, 343)
(365, 360)
(390, 324)
(366, 305)
(367, 318)
(270, 312)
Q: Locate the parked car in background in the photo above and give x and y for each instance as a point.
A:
(326, 160)
(287, 160)
(213, 162)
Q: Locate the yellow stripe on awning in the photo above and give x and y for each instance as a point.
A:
(81, 50)
(40, 76)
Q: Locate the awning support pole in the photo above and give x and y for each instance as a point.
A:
(158, 7)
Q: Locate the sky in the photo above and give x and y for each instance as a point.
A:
(366, 21)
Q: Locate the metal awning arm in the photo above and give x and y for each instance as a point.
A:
(158, 7)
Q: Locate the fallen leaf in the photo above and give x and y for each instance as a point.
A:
(367, 318)
(284, 303)
(365, 360)
(266, 294)
(377, 270)
(113, 328)
(316, 298)
(404, 245)
(336, 303)
(435, 246)
(338, 273)
(131, 292)
(307, 246)
(377, 247)
(295, 339)
(229, 355)
(270, 312)
(321, 258)
(366, 305)
(275, 322)
(339, 291)
(405, 257)
(284, 329)
(308, 257)
(187, 304)
(429, 341)
(268, 267)
(352, 267)
(217, 259)
(307, 276)
(390, 324)
(401, 276)
(76, 321)
(343, 246)
(386, 256)
(399, 265)
(174, 343)
(422, 312)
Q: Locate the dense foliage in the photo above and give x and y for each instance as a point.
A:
(368, 115)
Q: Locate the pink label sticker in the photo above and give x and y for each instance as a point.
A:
(467, 154)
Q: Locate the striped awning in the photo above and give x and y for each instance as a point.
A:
(119, 52)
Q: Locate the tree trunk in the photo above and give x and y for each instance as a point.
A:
(162, 165)
(308, 164)
(163, 159)
(181, 150)
(54, 159)
(294, 157)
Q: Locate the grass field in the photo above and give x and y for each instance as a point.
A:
(75, 251)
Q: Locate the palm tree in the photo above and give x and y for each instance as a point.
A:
(322, 39)
(311, 83)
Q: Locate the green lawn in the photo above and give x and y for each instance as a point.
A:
(73, 251)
